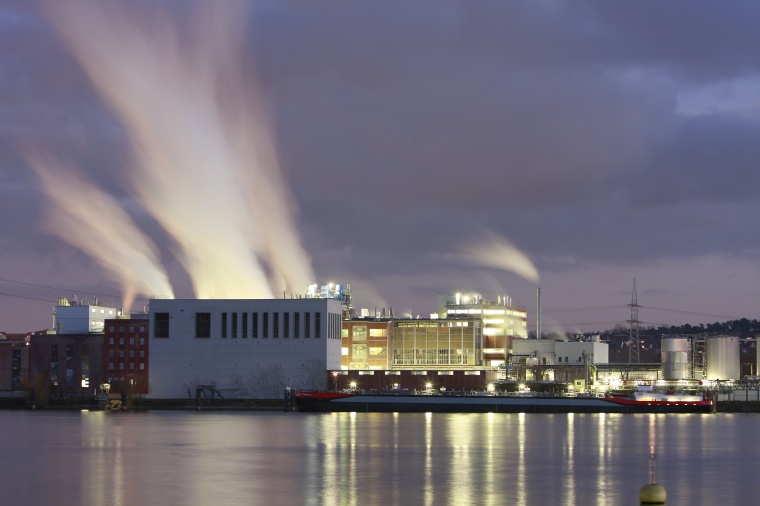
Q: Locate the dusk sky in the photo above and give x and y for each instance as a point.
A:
(406, 148)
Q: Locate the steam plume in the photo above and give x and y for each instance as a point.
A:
(495, 251)
(86, 217)
(206, 167)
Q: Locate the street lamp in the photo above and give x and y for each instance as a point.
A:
(335, 380)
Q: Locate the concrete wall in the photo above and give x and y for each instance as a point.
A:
(573, 352)
(240, 366)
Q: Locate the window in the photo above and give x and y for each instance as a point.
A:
(121, 341)
(142, 328)
(131, 328)
(121, 366)
(276, 325)
(161, 325)
(255, 325)
(121, 353)
(224, 325)
(110, 340)
(142, 353)
(131, 367)
(265, 325)
(69, 365)
(307, 325)
(131, 341)
(110, 366)
(142, 340)
(244, 323)
(285, 324)
(378, 332)
(318, 325)
(111, 353)
(296, 325)
(131, 353)
(110, 329)
(142, 366)
(234, 326)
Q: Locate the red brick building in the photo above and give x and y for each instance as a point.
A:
(125, 357)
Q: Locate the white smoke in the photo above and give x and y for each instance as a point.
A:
(206, 169)
(496, 252)
(84, 216)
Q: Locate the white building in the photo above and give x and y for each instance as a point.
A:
(242, 347)
(73, 317)
(550, 352)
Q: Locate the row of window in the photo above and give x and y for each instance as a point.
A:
(112, 341)
(256, 325)
(121, 353)
(111, 366)
(131, 328)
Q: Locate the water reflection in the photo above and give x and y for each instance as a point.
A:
(372, 458)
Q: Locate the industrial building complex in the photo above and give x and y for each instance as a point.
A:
(255, 348)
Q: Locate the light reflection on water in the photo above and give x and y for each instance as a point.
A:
(372, 458)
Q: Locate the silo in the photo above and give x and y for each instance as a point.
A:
(722, 357)
(675, 358)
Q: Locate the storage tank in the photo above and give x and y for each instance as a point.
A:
(722, 358)
(675, 358)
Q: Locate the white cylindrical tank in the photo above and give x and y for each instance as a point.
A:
(722, 358)
(675, 358)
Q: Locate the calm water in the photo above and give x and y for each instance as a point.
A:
(190, 458)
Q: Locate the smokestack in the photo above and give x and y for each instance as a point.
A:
(538, 313)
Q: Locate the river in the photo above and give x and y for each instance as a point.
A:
(275, 458)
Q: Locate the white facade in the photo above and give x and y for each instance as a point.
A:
(242, 347)
(82, 319)
(571, 353)
(550, 352)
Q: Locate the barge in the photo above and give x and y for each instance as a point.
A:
(486, 402)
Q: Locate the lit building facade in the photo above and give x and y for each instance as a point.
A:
(434, 343)
(502, 322)
(76, 317)
(366, 345)
(242, 347)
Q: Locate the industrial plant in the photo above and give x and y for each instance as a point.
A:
(317, 340)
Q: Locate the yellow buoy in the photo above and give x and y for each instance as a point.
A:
(652, 494)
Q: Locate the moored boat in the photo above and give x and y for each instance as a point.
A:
(482, 402)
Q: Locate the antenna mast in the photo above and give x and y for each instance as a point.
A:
(633, 337)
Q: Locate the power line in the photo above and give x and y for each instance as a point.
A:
(694, 313)
(57, 288)
(27, 298)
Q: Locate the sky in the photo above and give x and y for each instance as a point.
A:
(175, 148)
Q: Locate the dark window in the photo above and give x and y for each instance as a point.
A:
(307, 325)
(202, 324)
(276, 325)
(161, 325)
(16, 368)
(318, 325)
(224, 325)
(244, 316)
(255, 325)
(296, 325)
(69, 365)
(54, 364)
(264, 325)
(285, 324)
(234, 325)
